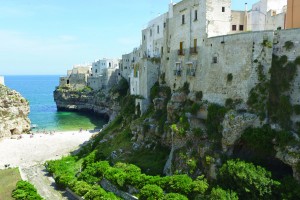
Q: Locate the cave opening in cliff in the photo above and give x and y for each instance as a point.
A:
(12, 131)
(278, 168)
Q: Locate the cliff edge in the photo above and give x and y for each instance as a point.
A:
(14, 110)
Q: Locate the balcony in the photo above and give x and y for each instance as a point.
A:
(181, 52)
(193, 50)
(191, 72)
(177, 72)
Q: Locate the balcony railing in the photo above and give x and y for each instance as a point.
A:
(181, 52)
(193, 50)
(177, 72)
(191, 72)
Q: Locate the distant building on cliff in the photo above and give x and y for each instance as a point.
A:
(104, 74)
(2, 80)
(77, 77)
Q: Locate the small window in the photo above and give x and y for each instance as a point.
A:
(144, 37)
(223, 9)
(96, 71)
(241, 27)
(215, 59)
(234, 27)
(182, 19)
(196, 15)
(157, 29)
(164, 24)
(150, 32)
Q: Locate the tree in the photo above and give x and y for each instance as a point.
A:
(151, 192)
(248, 180)
(220, 194)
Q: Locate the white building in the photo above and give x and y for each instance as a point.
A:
(2, 80)
(267, 15)
(104, 74)
(153, 37)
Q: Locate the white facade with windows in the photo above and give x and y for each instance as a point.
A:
(2, 80)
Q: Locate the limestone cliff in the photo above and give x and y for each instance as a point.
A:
(85, 100)
(14, 110)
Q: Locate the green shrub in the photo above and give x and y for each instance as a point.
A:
(199, 95)
(81, 188)
(296, 109)
(122, 87)
(289, 188)
(182, 184)
(215, 116)
(154, 91)
(151, 192)
(220, 194)
(116, 176)
(267, 43)
(297, 60)
(249, 181)
(288, 45)
(229, 77)
(174, 196)
(25, 191)
(195, 108)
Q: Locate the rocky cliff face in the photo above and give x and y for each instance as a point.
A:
(14, 110)
(74, 100)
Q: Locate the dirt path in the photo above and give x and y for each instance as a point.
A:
(44, 184)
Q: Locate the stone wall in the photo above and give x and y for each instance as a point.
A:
(217, 59)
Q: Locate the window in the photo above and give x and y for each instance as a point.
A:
(157, 29)
(144, 37)
(241, 27)
(150, 32)
(96, 71)
(223, 9)
(234, 27)
(196, 15)
(182, 19)
(164, 24)
(215, 59)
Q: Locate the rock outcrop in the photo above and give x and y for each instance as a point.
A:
(234, 125)
(74, 100)
(14, 110)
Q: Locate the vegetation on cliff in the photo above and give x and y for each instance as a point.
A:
(194, 130)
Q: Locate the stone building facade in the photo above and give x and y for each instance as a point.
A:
(77, 77)
(104, 74)
(201, 46)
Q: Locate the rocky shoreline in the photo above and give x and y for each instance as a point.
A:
(86, 101)
(14, 110)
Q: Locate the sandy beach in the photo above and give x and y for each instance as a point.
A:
(30, 151)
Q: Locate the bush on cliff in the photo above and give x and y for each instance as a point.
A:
(25, 191)
(248, 180)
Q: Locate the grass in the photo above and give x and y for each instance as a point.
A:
(8, 181)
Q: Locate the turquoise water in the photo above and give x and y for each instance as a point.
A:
(38, 90)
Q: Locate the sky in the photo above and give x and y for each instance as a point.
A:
(47, 37)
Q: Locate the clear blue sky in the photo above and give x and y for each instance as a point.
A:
(49, 36)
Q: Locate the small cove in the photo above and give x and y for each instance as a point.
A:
(38, 90)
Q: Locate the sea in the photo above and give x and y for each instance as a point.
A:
(38, 90)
